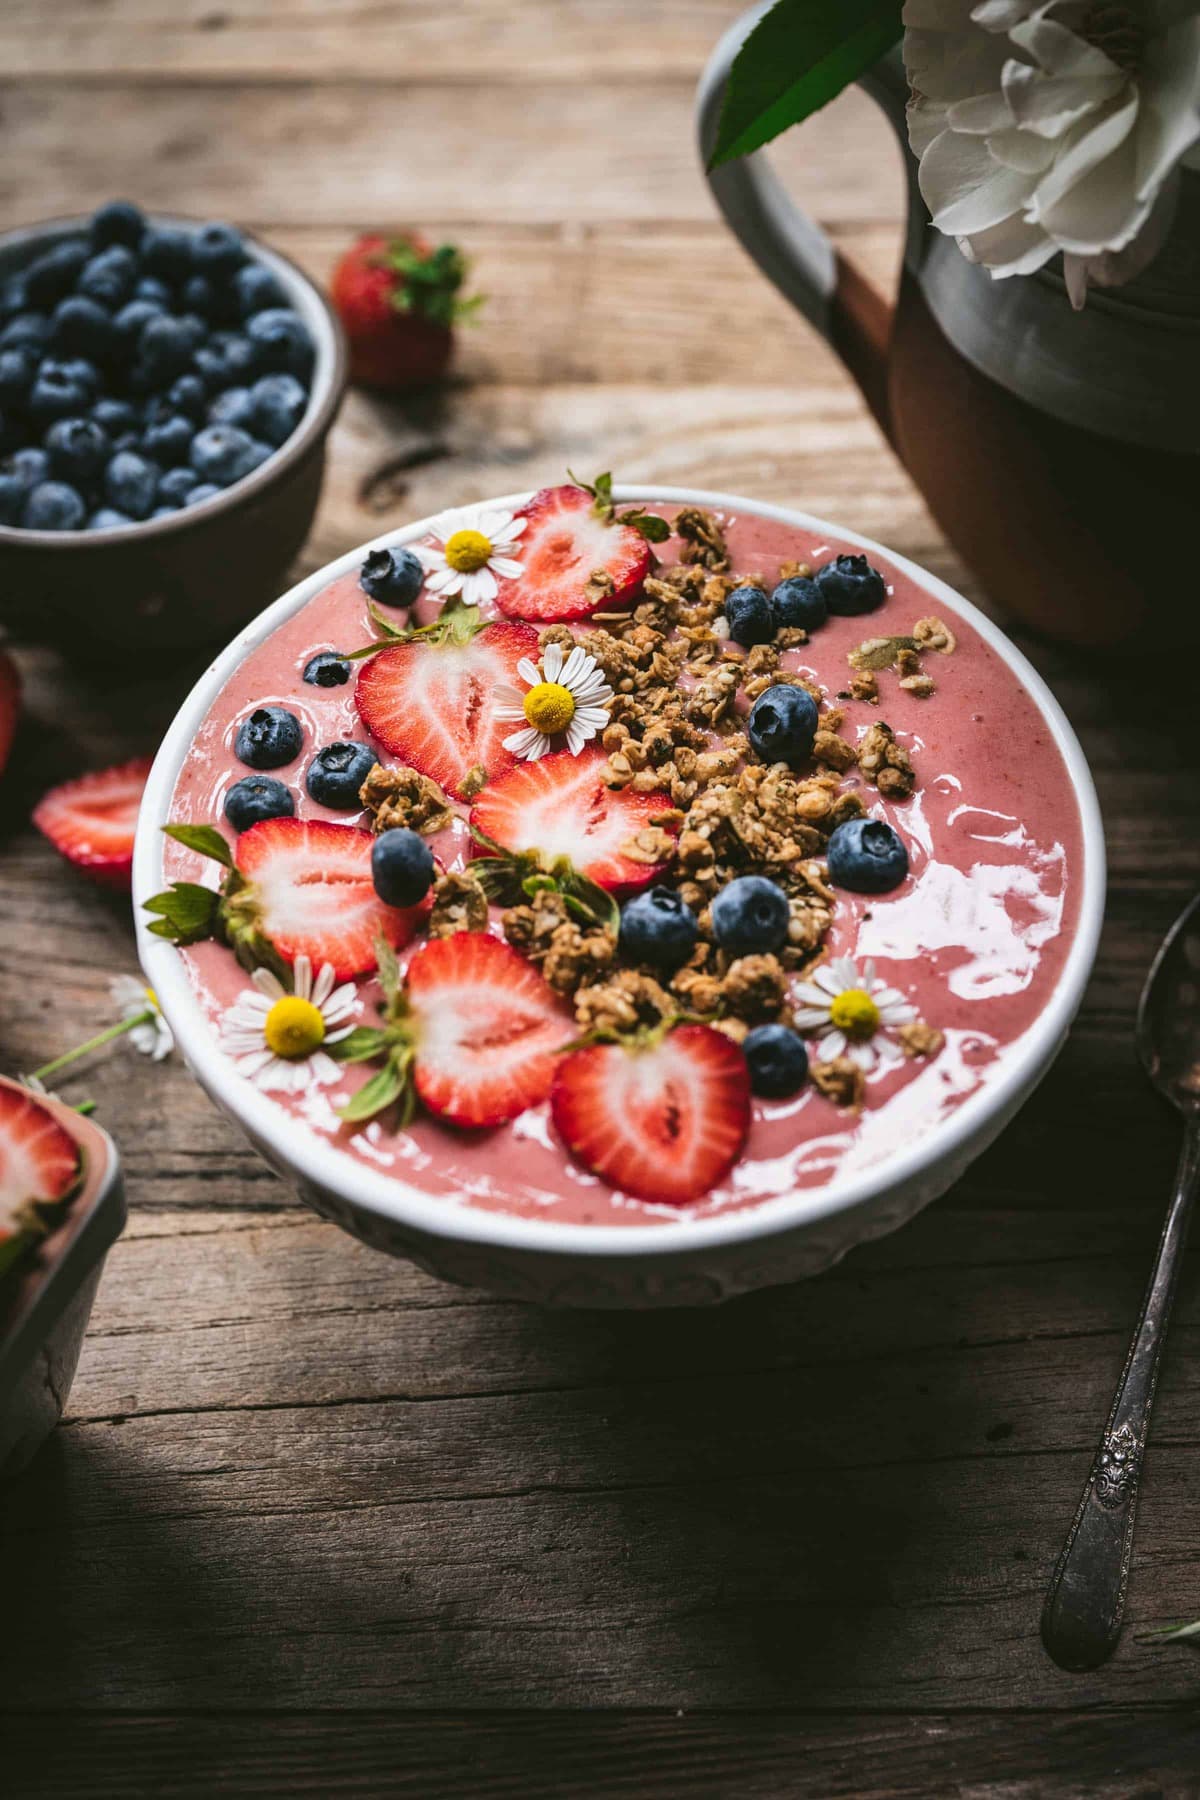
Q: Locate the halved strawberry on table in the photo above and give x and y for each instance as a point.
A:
(432, 702)
(577, 558)
(665, 1120)
(92, 819)
(487, 1029)
(306, 889)
(560, 807)
(39, 1169)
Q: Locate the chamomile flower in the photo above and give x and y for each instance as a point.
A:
(473, 547)
(567, 698)
(275, 1038)
(149, 1032)
(848, 1008)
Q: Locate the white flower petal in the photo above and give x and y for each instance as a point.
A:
(302, 976)
(964, 189)
(268, 983)
(577, 737)
(529, 671)
(508, 695)
(806, 1018)
(529, 743)
(508, 714)
(1091, 147)
(552, 661)
(505, 567)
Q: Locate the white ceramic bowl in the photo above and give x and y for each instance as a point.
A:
(684, 1264)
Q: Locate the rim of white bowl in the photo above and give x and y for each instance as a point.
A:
(458, 1220)
(324, 396)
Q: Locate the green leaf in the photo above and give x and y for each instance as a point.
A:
(366, 1043)
(187, 912)
(205, 839)
(589, 901)
(382, 1091)
(1170, 1634)
(388, 968)
(798, 57)
(649, 525)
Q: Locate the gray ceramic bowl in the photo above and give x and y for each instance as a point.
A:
(192, 579)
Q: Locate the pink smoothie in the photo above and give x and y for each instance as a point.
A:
(976, 936)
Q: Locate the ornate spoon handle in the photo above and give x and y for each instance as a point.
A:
(1081, 1621)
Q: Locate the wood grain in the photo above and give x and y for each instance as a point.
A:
(316, 1523)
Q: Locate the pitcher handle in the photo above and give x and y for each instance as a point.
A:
(790, 248)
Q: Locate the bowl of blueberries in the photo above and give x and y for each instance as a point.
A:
(166, 390)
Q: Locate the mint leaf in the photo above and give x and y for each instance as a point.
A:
(187, 912)
(376, 1095)
(799, 56)
(205, 839)
(388, 969)
(650, 526)
(366, 1043)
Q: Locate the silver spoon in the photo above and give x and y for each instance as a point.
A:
(1085, 1602)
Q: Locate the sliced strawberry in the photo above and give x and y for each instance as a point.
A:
(434, 704)
(560, 807)
(39, 1166)
(664, 1122)
(311, 893)
(10, 701)
(488, 1029)
(564, 544)
(92, 819)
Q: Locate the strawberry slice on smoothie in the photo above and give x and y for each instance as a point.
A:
(577, 559)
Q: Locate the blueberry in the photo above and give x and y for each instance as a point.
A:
(799, 601)
(78, 449)
(282, 341)
(12, 499)
(166, 252)
(218, 249)
(211, 299)
(116, 417)
(393, 576)
(270, 737)
(82, 326)
(783, 724)
(106, 517)
(235, 406)
(128, 323)
(108, 278)
(54, 506)
(401, 866)
(749, 915)
(658, 927)
(29, 466)
(55, 272)
(866, 856)
(14, 296)
(279, 405)
(55, 395)
(118, 222)
(336, 773)
(175, 488)
(168, 441)
(777, 1060)
(748, 616)
(849, 584)
(257, 797)
(131, 484)
(226, 360)
(149, 287)
(18, 366)
(257, 289)
(30, 328)
(326, 669)
(164, 350)
(224, 454)
(77, 369)
(206, 490)
(188, 396)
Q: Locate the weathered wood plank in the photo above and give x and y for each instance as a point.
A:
(455, 151)
(399, 43)
(804, 1756)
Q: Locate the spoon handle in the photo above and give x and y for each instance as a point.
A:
(1081, 1621)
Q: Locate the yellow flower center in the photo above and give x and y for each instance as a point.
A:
(294, 1027)
(467, 551)
(549, 707)
(855, 1013)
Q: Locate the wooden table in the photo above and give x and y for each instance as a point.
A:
(315, 1523)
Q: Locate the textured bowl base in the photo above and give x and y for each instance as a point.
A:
(36, 1404)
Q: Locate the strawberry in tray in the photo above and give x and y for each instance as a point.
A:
(559, 807)
(432, 702)
(39, 1170)
(399, 299)
(664, 1119)
(579, 556)
(92, 819)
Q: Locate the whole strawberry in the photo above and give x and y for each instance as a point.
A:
(399, 300)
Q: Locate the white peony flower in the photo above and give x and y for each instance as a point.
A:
(1047, 127)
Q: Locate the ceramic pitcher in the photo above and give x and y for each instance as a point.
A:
(1058, 450)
